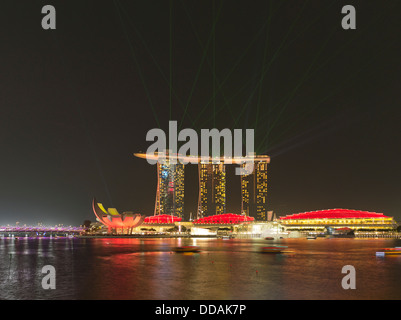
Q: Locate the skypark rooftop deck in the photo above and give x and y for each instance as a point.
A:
(197, 159)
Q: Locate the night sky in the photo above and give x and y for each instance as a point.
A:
(77, 102)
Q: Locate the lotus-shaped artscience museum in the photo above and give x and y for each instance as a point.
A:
(116, 221)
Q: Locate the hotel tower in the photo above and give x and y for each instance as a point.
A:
(212, 189)
(170, 189)
(254, 192)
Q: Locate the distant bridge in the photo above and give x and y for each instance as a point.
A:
(38, 230)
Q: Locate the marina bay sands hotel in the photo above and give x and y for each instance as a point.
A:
(212, 187)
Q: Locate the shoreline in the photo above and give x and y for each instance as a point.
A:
(145, 236)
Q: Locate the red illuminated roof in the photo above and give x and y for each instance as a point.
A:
(334, 214)
(226, 218)
(163, 218)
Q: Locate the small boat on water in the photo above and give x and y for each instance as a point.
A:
(389, 251)
(187, 249)
(269, 238)
(273, 249)
(310, 237)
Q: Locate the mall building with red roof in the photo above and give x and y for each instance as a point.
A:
(356, 220)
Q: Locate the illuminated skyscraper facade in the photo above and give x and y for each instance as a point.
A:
(170, 189)
(212, 189)
(254, 192)
(212, 186)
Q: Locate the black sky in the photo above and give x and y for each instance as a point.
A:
(77, 102)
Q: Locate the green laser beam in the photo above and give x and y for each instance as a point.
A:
(216, 78)
(137, 65)
(201, 64)
(300, 83)
(236, 64)
(165, 78)
(271, 61)
(352, 39)
(171, 54)
(263, 64)
(343, 84)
